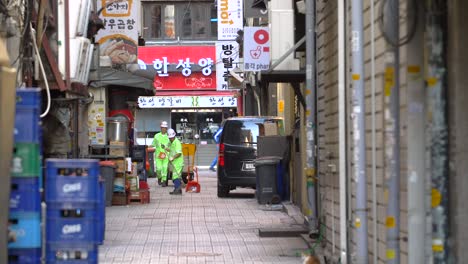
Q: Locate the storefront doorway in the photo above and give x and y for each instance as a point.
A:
(196, 125)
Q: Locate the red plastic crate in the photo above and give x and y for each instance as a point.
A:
(141, 196)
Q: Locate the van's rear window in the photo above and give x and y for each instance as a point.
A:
(238, 132)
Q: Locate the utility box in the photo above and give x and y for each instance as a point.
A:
(269, 177)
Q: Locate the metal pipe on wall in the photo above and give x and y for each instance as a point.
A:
(342, 142)
(7, 121)
(310, 116)
(359, 133)
(392, 128)
(438, 126)
(415, 141)
(373, 136)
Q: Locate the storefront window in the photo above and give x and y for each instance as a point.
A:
(196, 127)
(189, 21)
(169, 21)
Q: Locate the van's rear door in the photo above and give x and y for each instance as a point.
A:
(240, 147)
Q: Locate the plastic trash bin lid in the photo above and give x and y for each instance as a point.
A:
(107, 163)
(268, 160)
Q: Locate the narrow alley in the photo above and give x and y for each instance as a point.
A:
(198, 228)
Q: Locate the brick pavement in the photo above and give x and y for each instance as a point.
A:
(197, 228)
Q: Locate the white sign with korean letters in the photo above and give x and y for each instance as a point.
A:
(187, 101)
(256, 49)
(119, 37)
(227, 58)
(230, 18)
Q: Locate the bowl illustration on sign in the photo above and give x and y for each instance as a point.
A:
(120, 49)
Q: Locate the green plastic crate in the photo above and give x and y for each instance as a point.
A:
(26, 160)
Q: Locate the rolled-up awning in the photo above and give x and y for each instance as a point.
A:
(112, 77)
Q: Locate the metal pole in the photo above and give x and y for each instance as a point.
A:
(287, 53)
(342, 115)
(392, 129)
(359, 133)
(416, 141)
(310, 115)
(438, 128)
(7, 121)
(374, 146)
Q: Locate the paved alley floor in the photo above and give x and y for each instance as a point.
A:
(197, 228)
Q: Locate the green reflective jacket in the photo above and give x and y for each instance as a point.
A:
(158, 142)
(176, 147)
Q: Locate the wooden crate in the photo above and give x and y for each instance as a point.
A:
(119, 198)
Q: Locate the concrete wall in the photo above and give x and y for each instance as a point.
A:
(327, 108)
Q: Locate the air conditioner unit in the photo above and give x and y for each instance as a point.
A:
(81, 53)
(78, 15)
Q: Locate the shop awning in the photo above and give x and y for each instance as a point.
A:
(285, 76)
(113, 77)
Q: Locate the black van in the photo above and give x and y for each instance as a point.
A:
(238, 150)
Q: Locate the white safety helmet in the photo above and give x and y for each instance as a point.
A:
(163, 124)
(171, 133)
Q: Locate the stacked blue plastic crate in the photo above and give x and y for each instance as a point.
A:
(25, 200)
(74, 210)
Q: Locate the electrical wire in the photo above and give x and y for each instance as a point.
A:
(406, 39)
(36, 49)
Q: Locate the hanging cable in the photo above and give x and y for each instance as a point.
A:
(36, 49)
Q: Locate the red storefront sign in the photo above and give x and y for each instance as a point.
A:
(180, 67)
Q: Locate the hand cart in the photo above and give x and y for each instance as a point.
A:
(190, 175)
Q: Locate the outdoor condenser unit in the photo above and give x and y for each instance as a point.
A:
(81, 53)
(78, 17)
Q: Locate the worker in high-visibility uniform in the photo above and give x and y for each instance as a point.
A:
(176, 158)
(161, 160)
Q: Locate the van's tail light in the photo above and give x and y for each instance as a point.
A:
(221, 155)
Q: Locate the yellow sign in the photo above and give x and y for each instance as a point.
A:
(357, 223)
(414, 69)
(437, 248)
(281, 106)
(389, 80)
(431, 81)
(436, 197)
(390, 223)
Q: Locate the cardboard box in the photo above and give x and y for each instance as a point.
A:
(120, 163)
(133, 182)
(117, 143)
(117, 152)
(271, 128)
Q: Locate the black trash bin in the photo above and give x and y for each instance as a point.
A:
(266, 169)
(107, 169)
